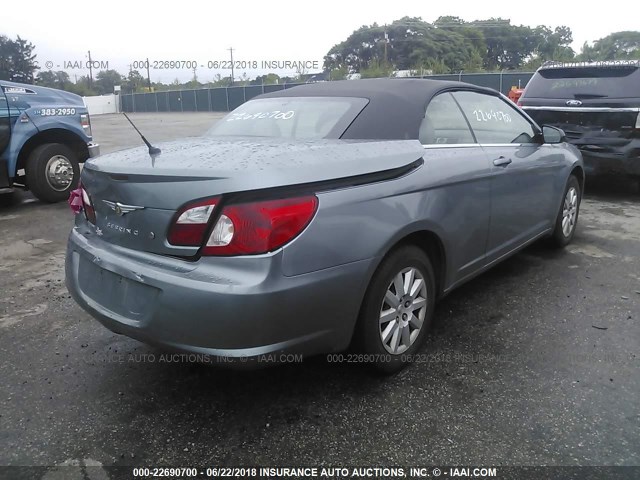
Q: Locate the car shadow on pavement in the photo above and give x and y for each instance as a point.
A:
(18, 200)
(12, 199)
(614, 188)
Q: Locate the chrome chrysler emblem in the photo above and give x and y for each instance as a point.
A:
(573, 103)
(120, 208)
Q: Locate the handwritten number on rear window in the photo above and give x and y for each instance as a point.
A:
(276, 114)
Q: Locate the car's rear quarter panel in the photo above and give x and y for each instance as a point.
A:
(449, 195)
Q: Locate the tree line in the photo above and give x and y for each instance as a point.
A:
(134, 82)
(451, 45)
(448, 45)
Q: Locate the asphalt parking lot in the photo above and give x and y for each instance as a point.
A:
(533, 363)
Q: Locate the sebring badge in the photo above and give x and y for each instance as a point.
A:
(120, 208)
(573, 103)
(118, 228)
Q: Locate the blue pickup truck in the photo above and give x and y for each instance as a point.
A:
(44, 136)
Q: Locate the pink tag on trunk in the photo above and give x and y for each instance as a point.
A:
(75, 200)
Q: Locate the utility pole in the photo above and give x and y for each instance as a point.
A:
(231, 50)
(148, 76)
(386, 41)
(90, 70)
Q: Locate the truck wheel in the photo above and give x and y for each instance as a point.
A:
(52, 172)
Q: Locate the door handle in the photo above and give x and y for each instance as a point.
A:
(502, 161)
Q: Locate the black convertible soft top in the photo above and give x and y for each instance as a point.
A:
(396, 105)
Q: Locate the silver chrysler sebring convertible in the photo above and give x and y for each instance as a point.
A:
(318, 218)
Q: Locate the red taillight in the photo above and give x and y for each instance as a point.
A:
(191, 223)
(259, 227)
(246, 228)
(87, 206)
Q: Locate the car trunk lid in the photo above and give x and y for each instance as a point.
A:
(136, 196)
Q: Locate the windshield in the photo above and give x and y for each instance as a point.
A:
(585, 83)
(291, 117)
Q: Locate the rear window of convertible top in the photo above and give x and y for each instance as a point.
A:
(291, 117)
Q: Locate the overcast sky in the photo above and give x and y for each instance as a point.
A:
(122, 32)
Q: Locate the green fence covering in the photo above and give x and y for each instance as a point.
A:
(225, 99)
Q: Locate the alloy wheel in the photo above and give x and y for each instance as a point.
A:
(569, 211)
(403, 310)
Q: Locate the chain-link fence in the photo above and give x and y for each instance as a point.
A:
(501, 81)
(225, 99)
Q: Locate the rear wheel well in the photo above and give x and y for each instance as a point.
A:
(432, 246)
(54, 135)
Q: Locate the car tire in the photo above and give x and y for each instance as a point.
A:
(392, 344)
(569, 209)
(52, 172)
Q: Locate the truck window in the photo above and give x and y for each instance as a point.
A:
(585, 82)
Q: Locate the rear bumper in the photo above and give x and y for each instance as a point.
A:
(605, 147)
(231, 308)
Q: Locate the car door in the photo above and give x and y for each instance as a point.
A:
(524, 171)
(460, 177)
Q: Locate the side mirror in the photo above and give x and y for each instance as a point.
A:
(553, 134)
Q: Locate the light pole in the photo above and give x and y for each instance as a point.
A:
(90, 70)
(231, 51)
